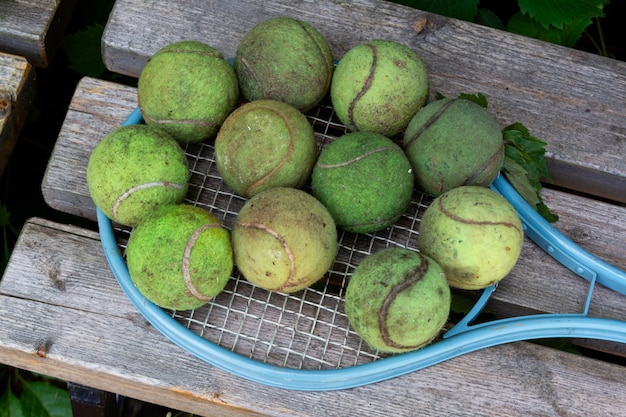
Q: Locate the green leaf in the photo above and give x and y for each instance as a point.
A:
(567, 36)
(518, 177)
(487, 17)
(41, 399)
(558, 13)
(525, 166)
(84, 51)
(478, 98)
(458, 9)
(10, 405)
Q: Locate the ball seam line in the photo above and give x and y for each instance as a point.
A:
(366, 85)
(497, 154)
(283, 243)
(259, 84)
(321, 53)
(428, 123)
(411, 278)
(475, 222)
(356, 159)
(285, 158)
(144, 186)
(186, 262)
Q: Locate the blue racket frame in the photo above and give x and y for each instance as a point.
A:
(463, 338)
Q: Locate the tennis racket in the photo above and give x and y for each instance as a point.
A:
(303, 341)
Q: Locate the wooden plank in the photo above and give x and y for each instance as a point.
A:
(17, 91)
(33, 28)
(572, 100)
(86, 331)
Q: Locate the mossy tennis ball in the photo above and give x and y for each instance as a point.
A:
(180, 257)
(365, 181)
(378, 86)
(265, 144)
(475, 235)
(135, 169)
(188, 89)
(284, 59)
(397, 300)
(284, 240)
(453, 142)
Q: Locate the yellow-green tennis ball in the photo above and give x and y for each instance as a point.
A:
(188, 89)
(135, 169)
(284, 59)
(397, 300)
(378, 86)
(453, 142)
(284, 240)
(265, 144)
(475, 235)
(180, 257)
(365, 181)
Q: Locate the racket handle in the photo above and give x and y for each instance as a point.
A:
(559, 246)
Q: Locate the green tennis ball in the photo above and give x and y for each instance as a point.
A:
(378, 86)
(284, 59)
(397, 300)
(453, 142)
(284, 240)
(135, 169)
(365, 181)
(188, 89)
(475, 235)
(180, 257)
(265, 144)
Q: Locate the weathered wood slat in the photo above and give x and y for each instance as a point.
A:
(572, 100)
(86, 331)
(33, 28)
(17, 91)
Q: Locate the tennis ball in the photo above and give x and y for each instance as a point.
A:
(284, 240)
(378, 86)
(284, 59)
(265, 144)
(133, 170)
(365, 181)
(180, 257)
(188, 89)
(397, 300)
(453, 142)
(475, 235)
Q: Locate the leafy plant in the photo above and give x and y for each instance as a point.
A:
(558, 21)
(35, 396)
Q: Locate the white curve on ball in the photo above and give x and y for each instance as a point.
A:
(187, 260)
(143, 186)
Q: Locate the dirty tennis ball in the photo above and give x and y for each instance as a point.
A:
(365, 181)
(284, 59)
(453, 142)
(188, 89)
(475, 235)
(265, 144)
(180, 257)
(397, 300)
(378, 86)
(284, 240)
(135, 169)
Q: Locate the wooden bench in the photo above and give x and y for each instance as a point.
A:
(33, 29)
(62, 312)
(17, 92)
